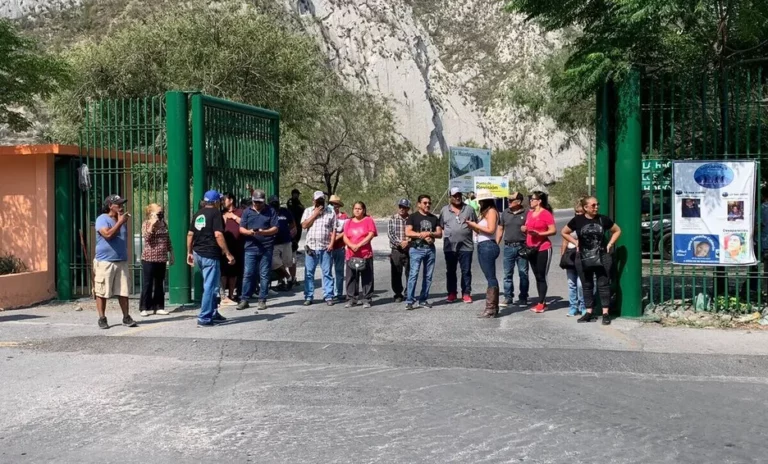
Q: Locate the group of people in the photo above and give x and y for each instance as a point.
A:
(240, 251)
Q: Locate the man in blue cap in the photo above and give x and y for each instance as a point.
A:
(258, 226)
(398, 244)
(205, 245)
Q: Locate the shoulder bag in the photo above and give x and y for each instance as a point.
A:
(356, 264)
(568, 259)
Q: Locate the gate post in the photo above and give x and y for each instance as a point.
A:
(602, 153)
(177, 132)
(198, 172)
(65, 238)
(628, 171)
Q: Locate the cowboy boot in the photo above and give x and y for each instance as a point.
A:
(489, 311)
(495, 300)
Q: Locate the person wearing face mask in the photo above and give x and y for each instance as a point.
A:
(320, 223)
(156, 253)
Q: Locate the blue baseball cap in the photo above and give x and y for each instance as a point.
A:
(211, 196)
(404, 203)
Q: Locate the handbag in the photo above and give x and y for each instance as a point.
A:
(568, 259)
(356, 264)
(527, 252)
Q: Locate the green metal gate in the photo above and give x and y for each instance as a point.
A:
(718, 115)
(140, 148)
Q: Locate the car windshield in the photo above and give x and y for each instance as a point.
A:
(656, 202)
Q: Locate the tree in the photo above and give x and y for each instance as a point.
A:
(670, 37)
(26, 74)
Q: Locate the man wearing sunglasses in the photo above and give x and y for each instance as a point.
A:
(458, 245)
(422, 227)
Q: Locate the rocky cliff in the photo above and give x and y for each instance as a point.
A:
(446, 66)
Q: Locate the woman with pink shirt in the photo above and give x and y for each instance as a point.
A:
(358, 233)
(539, 226)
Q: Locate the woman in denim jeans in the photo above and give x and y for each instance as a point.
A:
(575, 291)
(488, 251)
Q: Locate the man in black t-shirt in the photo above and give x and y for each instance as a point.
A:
(422, 227)
(205, 245)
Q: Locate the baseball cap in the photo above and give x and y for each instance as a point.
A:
(115, 200)
(515, 196)
(211, 196)
(274, 199)
(258, 196)
(318, 195)
(455, 191)
(404, 203)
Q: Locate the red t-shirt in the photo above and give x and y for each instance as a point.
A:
(539, 223)
(356, 232)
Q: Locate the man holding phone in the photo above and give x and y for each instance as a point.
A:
(458, 245)
(320, 223)
(258, 227)
(110, 263)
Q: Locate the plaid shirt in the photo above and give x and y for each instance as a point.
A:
(157, 243)
(319, 235)
(396, 230)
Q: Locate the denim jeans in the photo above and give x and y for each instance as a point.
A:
(311, 261)
(512, 260)
(419, 257)
(338, 257)
(487, 254)
(257, 261)
(211, 282)
(575, 292)
(462, 259)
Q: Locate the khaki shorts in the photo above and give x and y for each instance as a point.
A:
(111, 279)
(282, 256)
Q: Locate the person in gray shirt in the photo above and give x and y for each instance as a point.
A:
(458, 245)
(510, 233)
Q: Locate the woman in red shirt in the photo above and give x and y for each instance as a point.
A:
(539, 226)
(358, 233)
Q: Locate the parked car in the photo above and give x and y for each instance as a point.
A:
(656, 225)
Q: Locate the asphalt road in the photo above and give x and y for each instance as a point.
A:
(328, 384)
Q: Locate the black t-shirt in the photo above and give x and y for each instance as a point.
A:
(204, 224)
(591, 232)
(422, 223)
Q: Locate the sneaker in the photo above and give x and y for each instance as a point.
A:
(366, 305)
(162, 312)
(307, 302)
(262, 306)
(451, 298)
(350, 304)
(425, 304)
(467, 299)
(409, 307)
(201, 325)
(227, 302)
(505, 303)
(103, 323)
(398, 299)
(243, 305)
(329, 302)
(587, 317)
(144, 313)
(606, 319)
(218, 318)
(522, 302)
(539, 308)
(129, 322)
(573, 312)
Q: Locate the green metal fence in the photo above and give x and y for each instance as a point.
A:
(714, 116)
(140, 148)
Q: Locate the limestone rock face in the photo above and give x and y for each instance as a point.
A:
(445, 66)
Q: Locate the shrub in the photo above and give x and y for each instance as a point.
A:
(10, 264)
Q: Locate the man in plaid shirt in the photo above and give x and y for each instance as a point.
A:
(320, 224)
(398, 242)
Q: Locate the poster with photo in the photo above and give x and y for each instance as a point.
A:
(714, 213)
(466, 163)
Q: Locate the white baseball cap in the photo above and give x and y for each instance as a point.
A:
(318, 195)
(455, 191)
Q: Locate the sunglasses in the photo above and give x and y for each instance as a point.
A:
(426, 203)
(593, 205)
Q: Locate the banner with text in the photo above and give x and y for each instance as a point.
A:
(495, 186)
(466, 163)
(714, 209)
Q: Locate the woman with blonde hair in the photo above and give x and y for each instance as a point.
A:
(156, 254)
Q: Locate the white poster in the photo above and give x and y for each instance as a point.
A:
(714, 212)
(466, 163)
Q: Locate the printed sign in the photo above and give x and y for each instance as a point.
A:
(714, 209)
(496, 186)
(655, 175)
(465, 164)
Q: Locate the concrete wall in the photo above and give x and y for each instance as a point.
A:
(27, 226)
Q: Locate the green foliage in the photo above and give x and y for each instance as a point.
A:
(670, 37)
(26, 73)
(10, 264)
(571, 187)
